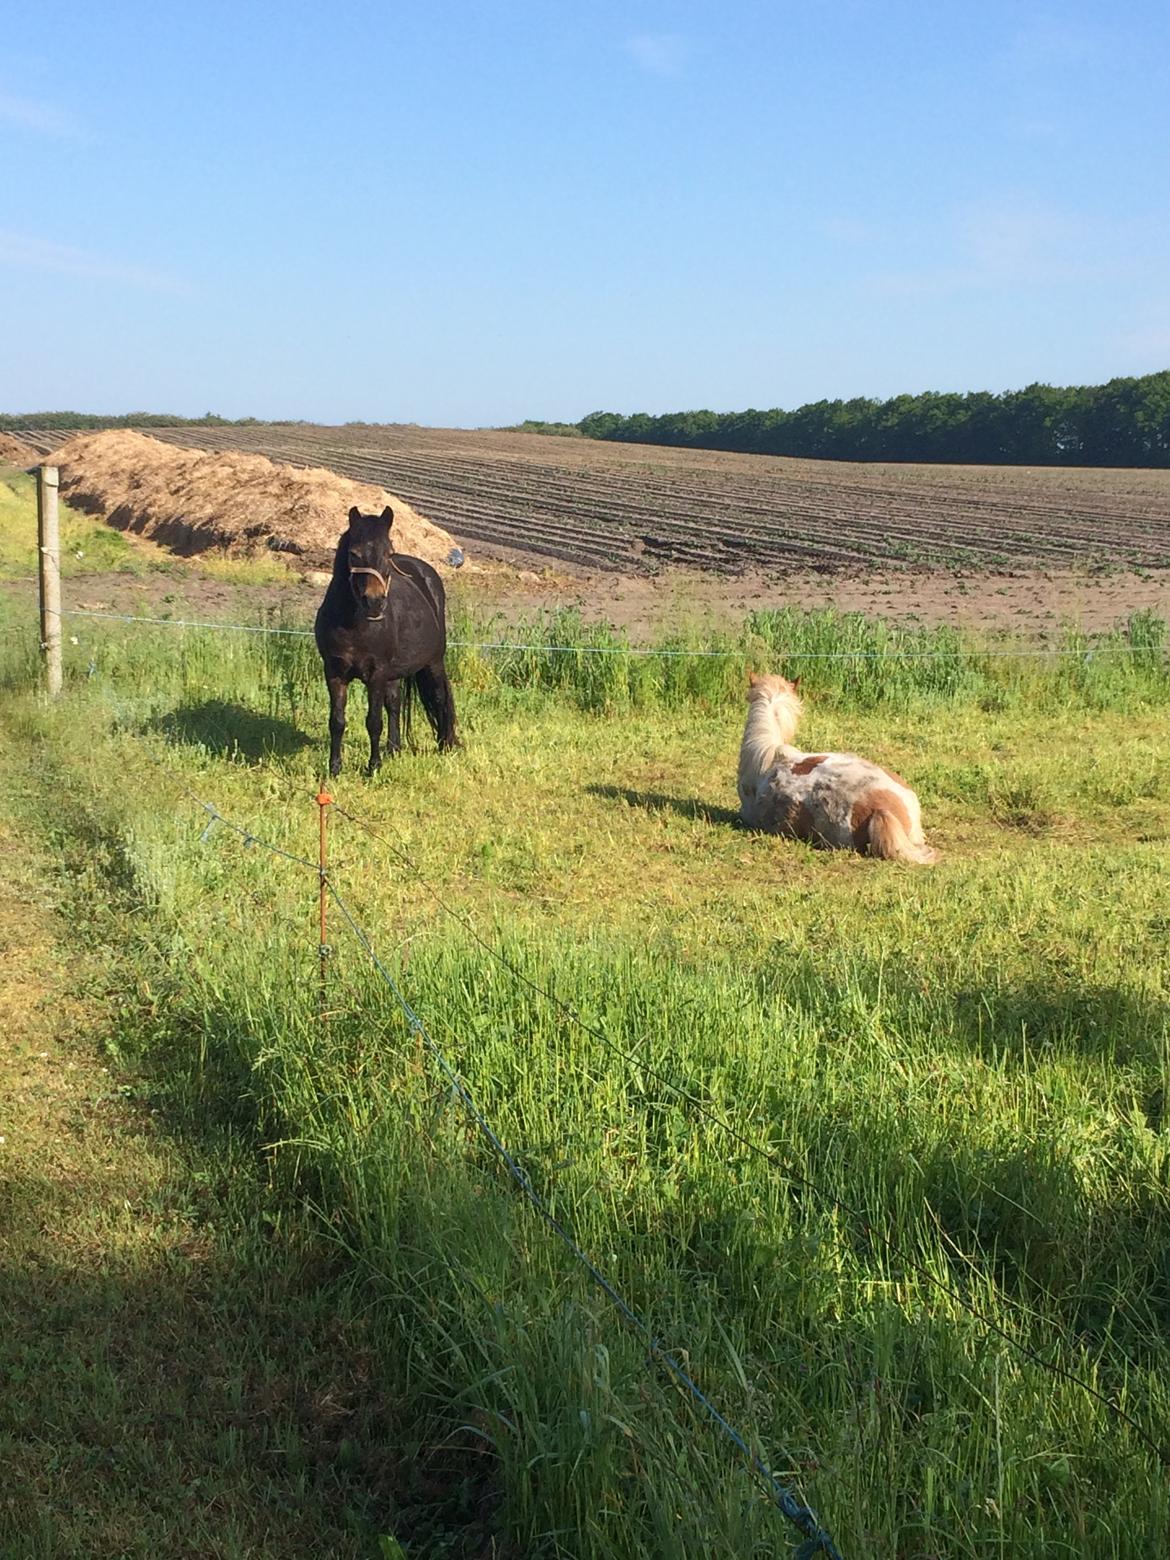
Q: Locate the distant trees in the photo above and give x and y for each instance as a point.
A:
(73, 421)
(81, 421)
(1123, 423)
(537, 425)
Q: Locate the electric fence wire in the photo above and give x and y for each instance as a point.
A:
(817, 1539)
(1160, 1450)
(993, 652)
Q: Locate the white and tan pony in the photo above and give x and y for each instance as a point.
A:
(830, 799)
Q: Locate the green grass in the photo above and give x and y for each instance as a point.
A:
(857, 661)
(87, 546)
(90, 546)
(185, 1355)
(974, 1057)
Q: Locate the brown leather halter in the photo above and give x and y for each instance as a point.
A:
(385, 583)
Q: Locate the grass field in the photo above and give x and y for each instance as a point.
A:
(960, 1076)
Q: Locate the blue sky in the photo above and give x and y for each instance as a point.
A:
(474, 213)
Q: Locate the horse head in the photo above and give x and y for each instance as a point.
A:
(365, 553)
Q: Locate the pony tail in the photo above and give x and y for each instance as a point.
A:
(889, 841)
(420, 684)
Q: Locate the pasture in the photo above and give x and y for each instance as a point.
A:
(945, 1088)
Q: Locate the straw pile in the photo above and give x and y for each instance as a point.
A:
(15, 452)
(191, 500)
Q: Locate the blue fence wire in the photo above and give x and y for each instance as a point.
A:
(998, 652)
(1160, 1450)
(817, 1541)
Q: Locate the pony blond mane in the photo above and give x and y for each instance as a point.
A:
(774, 707)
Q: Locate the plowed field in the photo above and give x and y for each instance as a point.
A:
(633, 508)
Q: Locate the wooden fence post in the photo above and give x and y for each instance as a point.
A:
(49, 576)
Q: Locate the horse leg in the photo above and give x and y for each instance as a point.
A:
(376, 694)
(394, 711)
(338, 694)
(434, 689)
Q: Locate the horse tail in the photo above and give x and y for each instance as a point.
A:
(406, 713)
(889, 840)
(420, 684)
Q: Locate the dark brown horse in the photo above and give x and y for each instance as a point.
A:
(383, 620)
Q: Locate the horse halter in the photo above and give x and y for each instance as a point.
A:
(381, 578)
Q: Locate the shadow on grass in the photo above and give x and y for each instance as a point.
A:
(230, 731)
(181, 1360)
(656, 801)
(205, 1374)
(1027, 1023)
(194, 1367)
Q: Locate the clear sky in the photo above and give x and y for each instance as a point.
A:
(458, 213)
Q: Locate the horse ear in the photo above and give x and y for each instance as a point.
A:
(796, 682)
(388, 516)
(752, 679)
(355, 515)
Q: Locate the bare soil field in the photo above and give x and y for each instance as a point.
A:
(643, 535)
(636, 508)
(1034, 605)
(16, 452)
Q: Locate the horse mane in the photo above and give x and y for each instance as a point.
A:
(774, 707)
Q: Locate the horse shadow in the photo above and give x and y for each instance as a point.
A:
(685, 806)
(228, 730)
(1066, 1018)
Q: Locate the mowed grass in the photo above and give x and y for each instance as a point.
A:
(958, 1074)
(184, 1352)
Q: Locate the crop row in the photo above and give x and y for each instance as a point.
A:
(600, 515)
(581, 503)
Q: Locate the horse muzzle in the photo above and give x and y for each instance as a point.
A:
(363, 599)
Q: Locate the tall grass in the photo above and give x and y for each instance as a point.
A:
(859, 661)
(853, 661)
(969, 1066)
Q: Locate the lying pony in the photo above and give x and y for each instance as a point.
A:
(832, 799)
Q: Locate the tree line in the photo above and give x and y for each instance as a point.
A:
(1123, 423)
(81, 422)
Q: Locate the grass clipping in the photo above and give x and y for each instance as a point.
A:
(192, 500)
